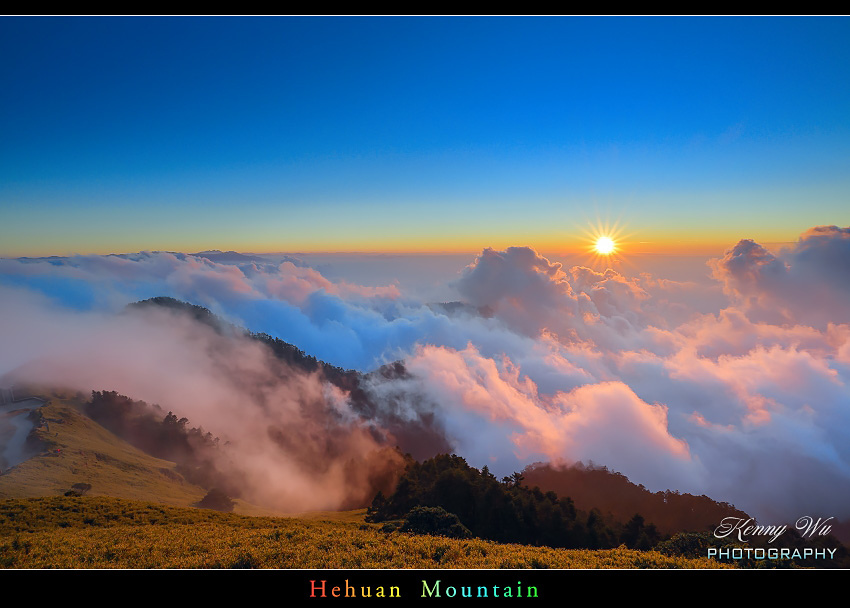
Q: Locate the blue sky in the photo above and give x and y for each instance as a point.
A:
(313, 134)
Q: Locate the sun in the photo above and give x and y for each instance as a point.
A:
(605, 245)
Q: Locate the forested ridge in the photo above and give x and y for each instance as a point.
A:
(507, 510)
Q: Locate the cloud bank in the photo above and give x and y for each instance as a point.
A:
(737, 390)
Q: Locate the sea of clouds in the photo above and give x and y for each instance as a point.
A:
(738, 388)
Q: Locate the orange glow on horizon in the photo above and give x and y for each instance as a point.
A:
(577, 242)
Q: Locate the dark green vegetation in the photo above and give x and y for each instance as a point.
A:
(436, 521)
(511, 511)
(162, 436)
(198, 313)
(216, 499)
(506, 510)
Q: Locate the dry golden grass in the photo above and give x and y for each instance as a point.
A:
(88, 453)
(101, 532)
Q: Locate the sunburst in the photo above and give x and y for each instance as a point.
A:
(605, 245)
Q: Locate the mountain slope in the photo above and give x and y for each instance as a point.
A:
(593, 487)
(75, 449)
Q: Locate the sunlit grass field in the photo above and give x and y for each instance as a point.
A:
(103, 532)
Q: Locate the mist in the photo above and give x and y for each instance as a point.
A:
(734, 386)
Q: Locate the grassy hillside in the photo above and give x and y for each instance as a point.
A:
(75, 449)
(101, 532)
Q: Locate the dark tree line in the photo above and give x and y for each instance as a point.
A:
(198, 313)
(505, 510)
(167, 437)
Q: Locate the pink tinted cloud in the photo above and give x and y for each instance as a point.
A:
(480, 400)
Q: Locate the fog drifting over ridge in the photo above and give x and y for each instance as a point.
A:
(736, 389)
